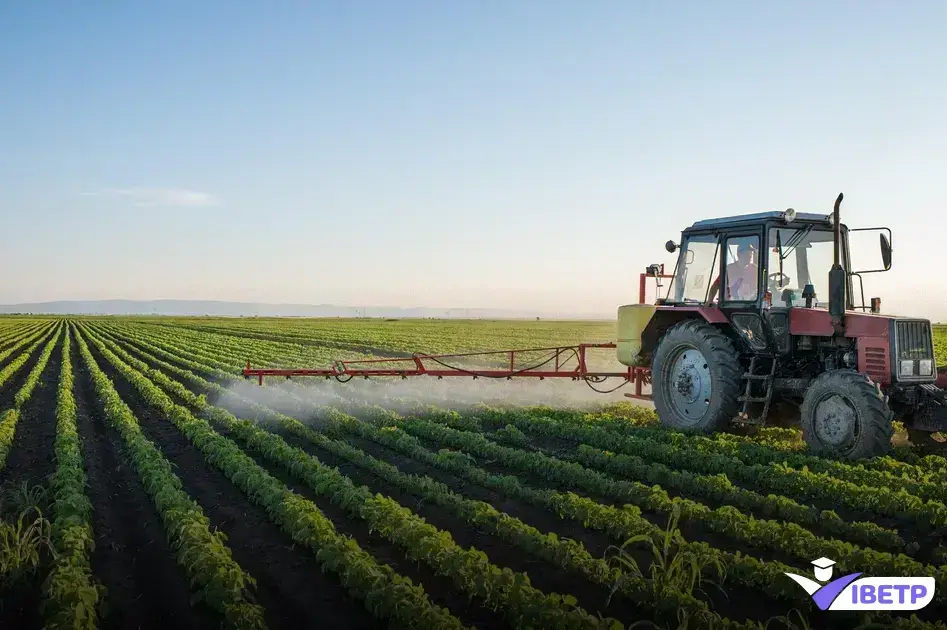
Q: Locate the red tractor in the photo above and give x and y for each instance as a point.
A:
(760, 312)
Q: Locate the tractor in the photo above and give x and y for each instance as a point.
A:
(760, 315)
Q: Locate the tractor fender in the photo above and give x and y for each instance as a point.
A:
(666, 316)
(941, 378)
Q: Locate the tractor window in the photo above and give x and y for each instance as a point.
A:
(807, 256)
(696, 270)
(742, 272)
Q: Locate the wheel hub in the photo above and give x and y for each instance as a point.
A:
(689, 384)
(836, 421)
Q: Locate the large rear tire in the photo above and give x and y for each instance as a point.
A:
(696, 377)
(844, 415)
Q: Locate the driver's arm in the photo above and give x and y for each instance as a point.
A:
(714, 289)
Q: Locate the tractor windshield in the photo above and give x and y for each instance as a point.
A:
(806, 255)
(696, 269)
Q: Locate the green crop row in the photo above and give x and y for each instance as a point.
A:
(71, 598)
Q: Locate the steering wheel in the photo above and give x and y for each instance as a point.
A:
(779, 283)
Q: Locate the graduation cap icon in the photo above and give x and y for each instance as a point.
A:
(823, 569)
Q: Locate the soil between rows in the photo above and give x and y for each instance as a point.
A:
(738, 603)
(16, 380)
(440, 589)
(146, 587)
(30, 461)
(692, 531)
(909, 528)
(763, 609)
(543, 575)
(13, 340)
(32, 456)
(291, 586)
(565, 449)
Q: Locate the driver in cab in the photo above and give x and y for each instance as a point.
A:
(741, 275)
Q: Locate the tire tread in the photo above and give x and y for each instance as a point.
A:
(877, 416)
(726, 370)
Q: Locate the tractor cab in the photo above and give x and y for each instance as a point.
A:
(763, 261)
(768, 274)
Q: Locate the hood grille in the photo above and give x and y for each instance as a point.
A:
(912, 342)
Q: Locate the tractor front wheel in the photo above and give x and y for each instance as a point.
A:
(845, 415)
(696, 376)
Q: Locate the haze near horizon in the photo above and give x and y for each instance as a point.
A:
(522, 155)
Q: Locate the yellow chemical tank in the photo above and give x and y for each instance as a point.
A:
(632, 320)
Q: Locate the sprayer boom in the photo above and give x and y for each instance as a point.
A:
(560, 362)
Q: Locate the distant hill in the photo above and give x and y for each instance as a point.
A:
(198, 308)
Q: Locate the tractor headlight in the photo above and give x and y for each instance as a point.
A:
(906, 368)
(926, 367)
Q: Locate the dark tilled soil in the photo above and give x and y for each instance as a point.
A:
(290, 584)
(738, 603)
(558, 447)
(4, 347)
(442, 591)
(32, 457)
(146, 587)
(909, 528)
(746, 604)
(543, 576)
(30, 460)
(12, 338)
(20, 604)
(541, 573)
(15, 382)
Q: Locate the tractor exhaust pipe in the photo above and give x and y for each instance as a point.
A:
(837, 276)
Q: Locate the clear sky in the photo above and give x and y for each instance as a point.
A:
(453, 154)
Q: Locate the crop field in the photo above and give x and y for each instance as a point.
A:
(147, 484)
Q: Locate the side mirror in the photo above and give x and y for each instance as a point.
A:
(671, 247)
(885, 251)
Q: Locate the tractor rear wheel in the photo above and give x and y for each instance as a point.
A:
(845, 415)
(696, 376)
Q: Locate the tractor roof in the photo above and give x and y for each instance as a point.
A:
(760, 217)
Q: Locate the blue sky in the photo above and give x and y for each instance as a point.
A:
(509, 154)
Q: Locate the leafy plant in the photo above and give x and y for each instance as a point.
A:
(674, 568)
(511, 436)
(15, 499)
(22, 545)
